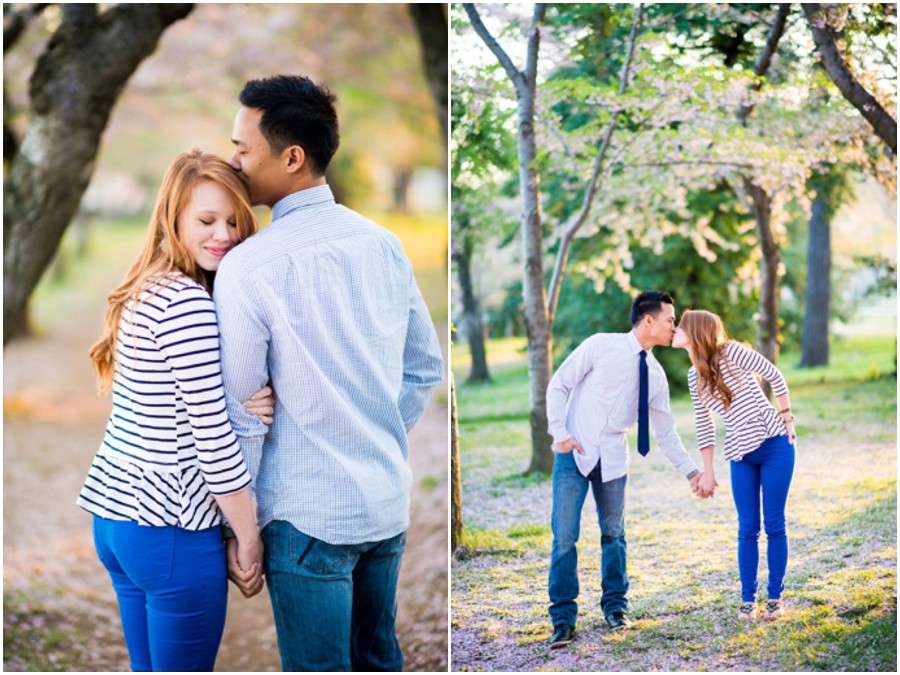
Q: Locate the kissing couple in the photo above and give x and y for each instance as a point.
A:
(612, 380)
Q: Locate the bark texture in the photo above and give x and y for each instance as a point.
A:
(842, 76)
(75, 84)
(456, 515)
(473, 327)
(538, 326)
(814, 343)
(431, 24)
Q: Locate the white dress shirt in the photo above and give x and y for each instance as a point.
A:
(599, 380)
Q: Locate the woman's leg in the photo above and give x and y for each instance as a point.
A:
(745, 487)
(183, 575)
(776, 472)
(132, 600)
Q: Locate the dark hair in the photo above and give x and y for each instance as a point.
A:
(296, 111)
(648, 302)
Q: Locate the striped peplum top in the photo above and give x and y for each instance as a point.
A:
(750, 419)
(169, 446)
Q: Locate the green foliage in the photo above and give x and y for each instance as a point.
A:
(696, 282)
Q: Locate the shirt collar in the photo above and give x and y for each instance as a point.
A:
(320, 194)
(634, 345)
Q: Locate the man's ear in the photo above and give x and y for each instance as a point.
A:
(295, 158)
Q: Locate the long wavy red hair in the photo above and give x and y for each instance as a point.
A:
(708, 338)
(163, 251)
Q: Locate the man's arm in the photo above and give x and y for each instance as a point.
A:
(568, 376)
(423, 367)
(667, 437)
(244, 344)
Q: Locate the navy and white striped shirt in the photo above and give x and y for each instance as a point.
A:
(168, 446)
(750, 419)
(324, 305)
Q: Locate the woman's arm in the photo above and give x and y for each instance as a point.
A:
(708, 483)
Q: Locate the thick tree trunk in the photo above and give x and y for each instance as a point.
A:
(842, 75)
(75, 84)
(431, 23)
(818, 286)
(472, 323)
(457, 529)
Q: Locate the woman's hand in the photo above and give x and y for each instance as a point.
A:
(262, 405)
(707, 485)
(791, 432)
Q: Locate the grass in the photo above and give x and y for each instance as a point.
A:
(842, 516)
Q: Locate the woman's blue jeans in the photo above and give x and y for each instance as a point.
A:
(335, 605)
(569, 492)
(765, 472)
(172, 589)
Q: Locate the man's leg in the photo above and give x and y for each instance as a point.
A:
(569, 491)
(610, 500)
(311, 587)
(373, 643)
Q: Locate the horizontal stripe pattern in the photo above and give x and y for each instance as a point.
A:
(750, 419)
(169, 448)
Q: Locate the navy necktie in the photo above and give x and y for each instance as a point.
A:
(643, 413)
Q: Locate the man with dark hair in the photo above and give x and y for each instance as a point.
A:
(324, 305)
(607, 384)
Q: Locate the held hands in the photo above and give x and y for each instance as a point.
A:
(706, 486)
(568, 445)
(245, 565)
(262, 405)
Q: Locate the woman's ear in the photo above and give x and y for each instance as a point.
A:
(296, 158)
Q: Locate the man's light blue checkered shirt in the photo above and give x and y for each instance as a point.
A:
(324, 305)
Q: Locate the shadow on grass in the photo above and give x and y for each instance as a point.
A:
(841, 601)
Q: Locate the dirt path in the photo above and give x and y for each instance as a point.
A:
(55, 588)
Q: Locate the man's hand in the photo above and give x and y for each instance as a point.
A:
(262, 404)
(245, 566)
(695, 482)
(568, 445)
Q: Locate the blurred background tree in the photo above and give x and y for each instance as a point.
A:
(392, 156)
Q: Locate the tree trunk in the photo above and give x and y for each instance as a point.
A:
(457, 529)
(75, 84)
(538, 326)
(402, 181)
(537, 317)
(431, 24)
(818, 286)
(767, 331)
(472, 323)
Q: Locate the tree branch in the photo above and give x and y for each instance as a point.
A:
(764, 60)
(592, 184)
(16, 21)
(517, 76)
(839, 72)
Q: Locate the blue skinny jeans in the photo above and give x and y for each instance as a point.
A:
(172, 589)
(763, 475)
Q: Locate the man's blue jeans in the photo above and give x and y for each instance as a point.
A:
(569, 492)
(334, 606)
